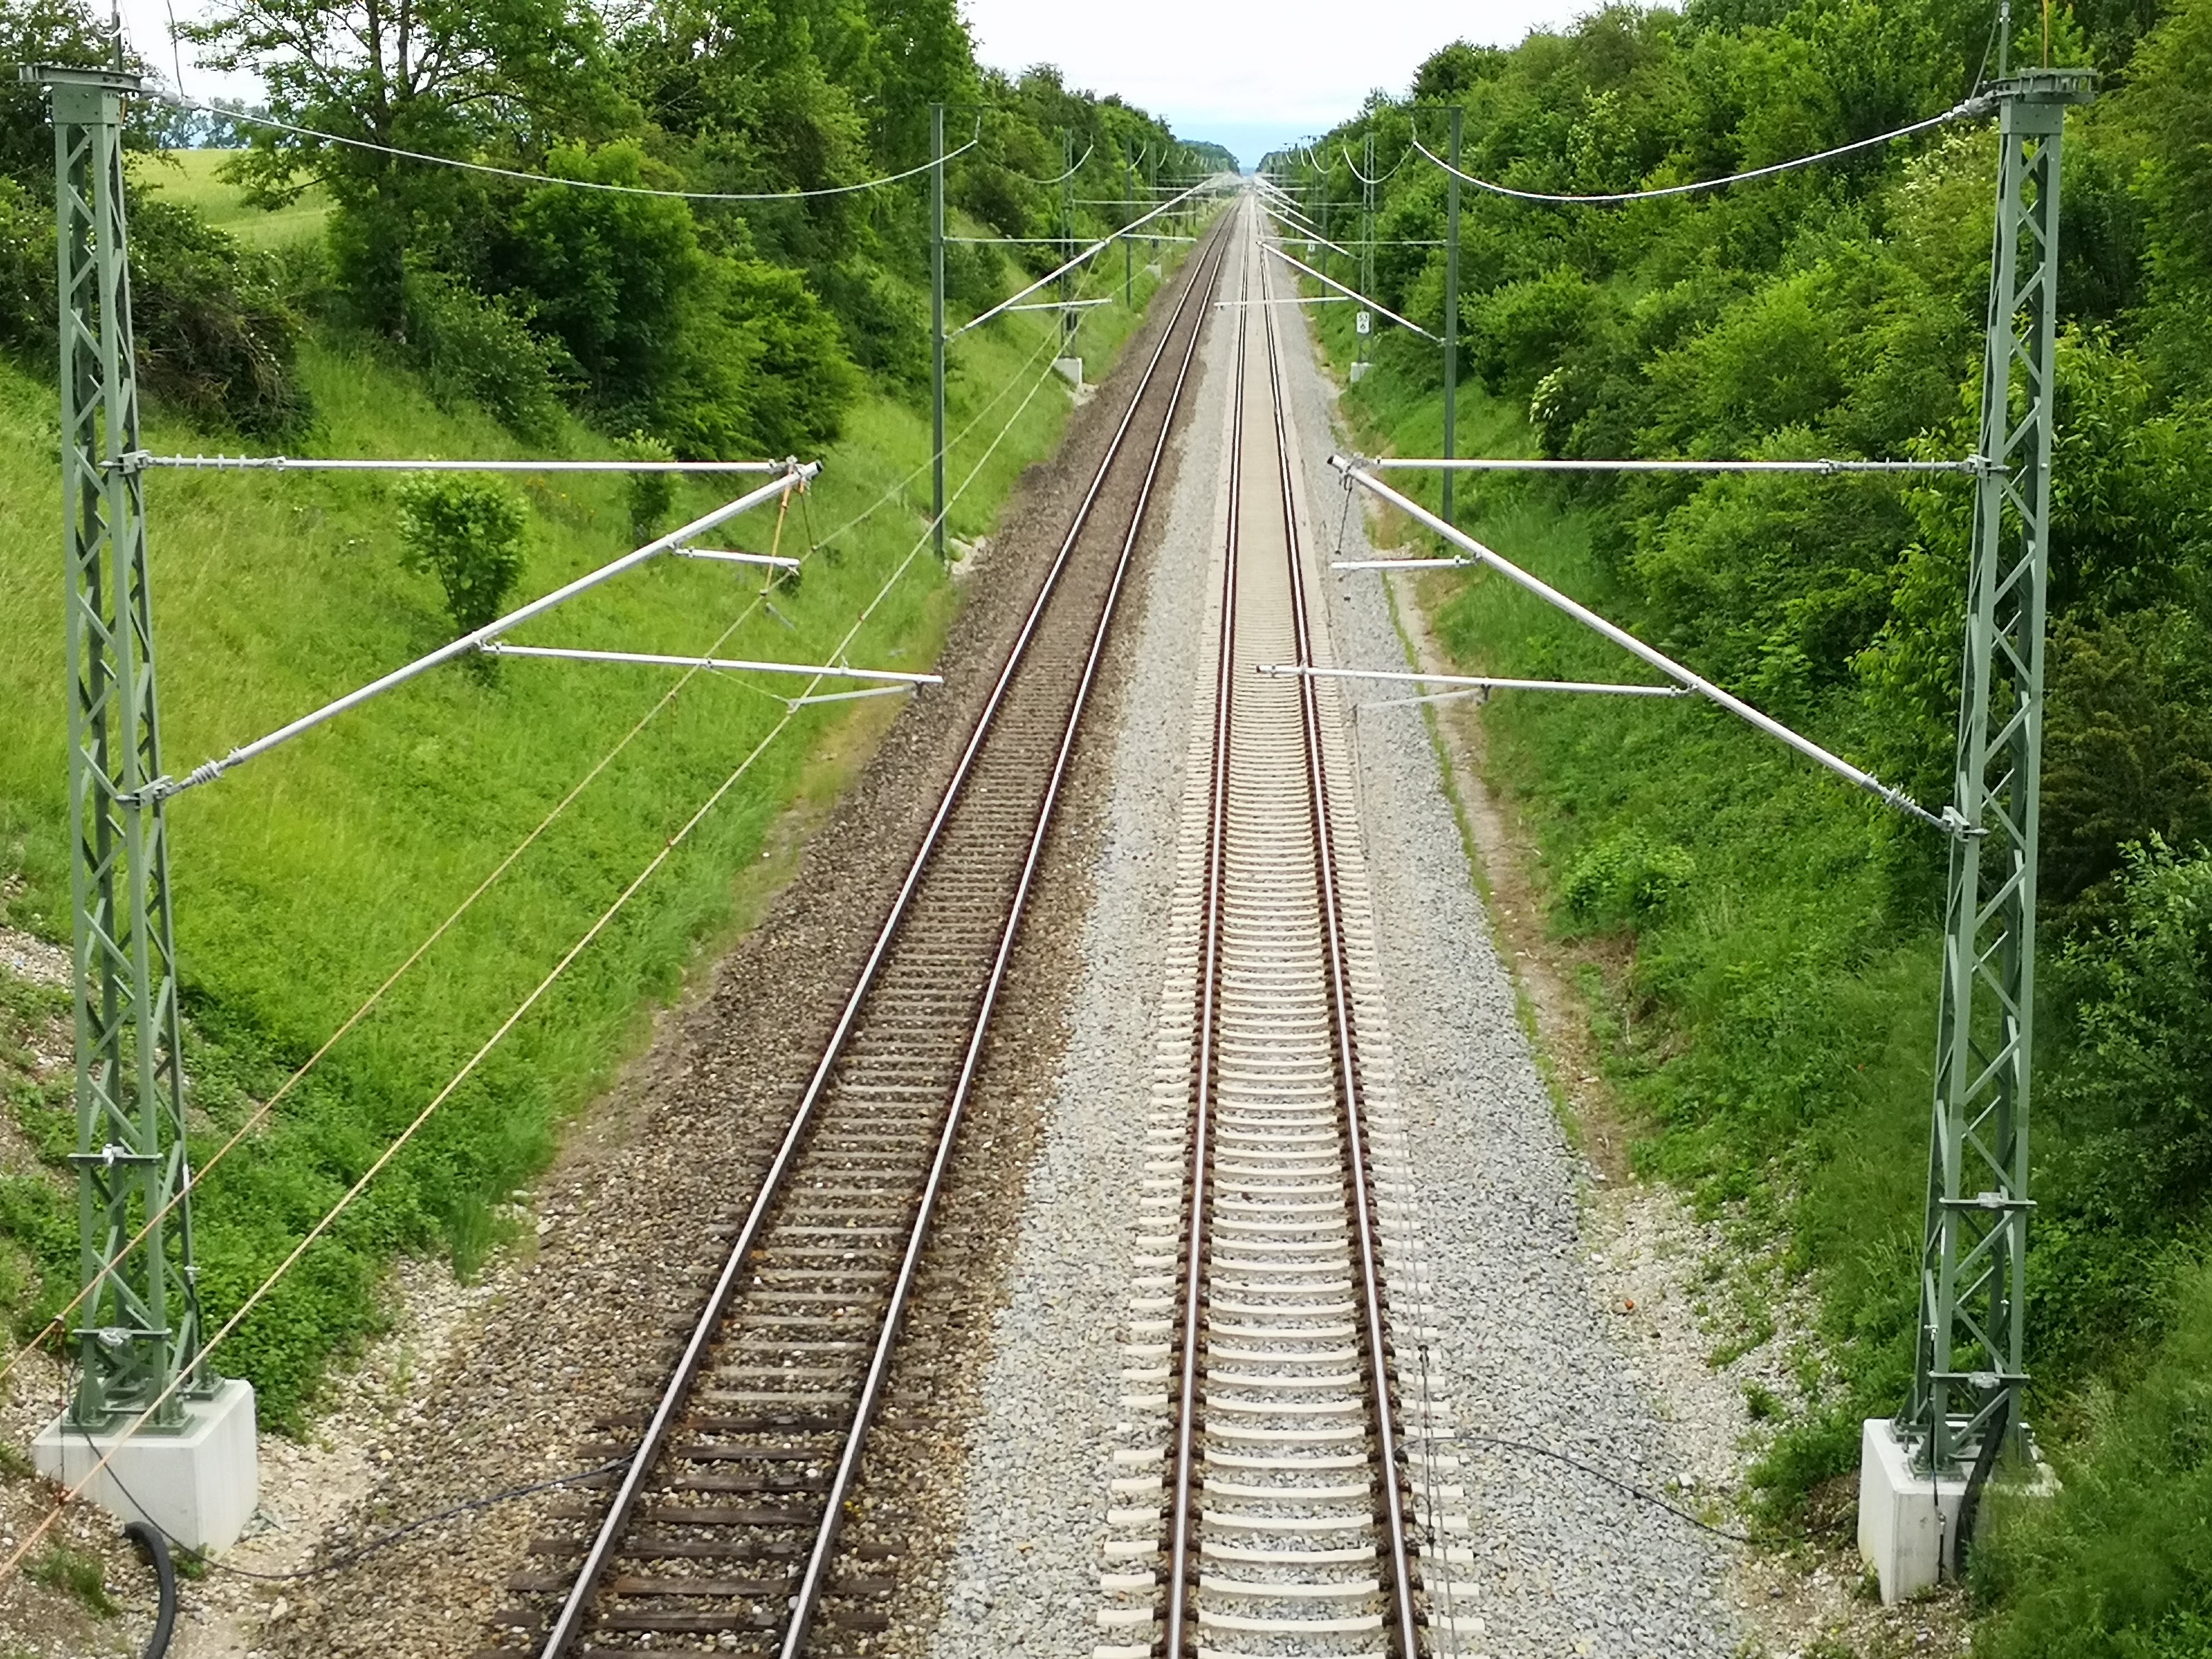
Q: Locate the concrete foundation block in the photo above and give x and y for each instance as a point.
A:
(1359, 372)
(1071, 369)
(199, 1485)
(1908, 1521)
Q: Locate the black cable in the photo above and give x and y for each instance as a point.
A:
(1629, 1487)
(1970, 1502)
(383, 1541)
(154, 1545)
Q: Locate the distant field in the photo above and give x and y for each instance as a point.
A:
(190, 175)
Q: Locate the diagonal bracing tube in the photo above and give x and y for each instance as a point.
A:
(1477, 554)
(793, 474)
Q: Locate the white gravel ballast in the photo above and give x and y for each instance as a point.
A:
(1562, 1563)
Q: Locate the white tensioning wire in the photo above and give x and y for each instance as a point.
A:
(1972, 108)
(486, 167)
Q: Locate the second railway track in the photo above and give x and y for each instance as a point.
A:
(723, 1532)
(1284, 1492)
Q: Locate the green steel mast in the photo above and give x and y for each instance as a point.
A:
(139, 1329)
(1971, 1363)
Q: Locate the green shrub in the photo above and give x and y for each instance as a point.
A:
(484, 350)
(803, 380)
(26, 271)
(1520, 330)
(651, 494)
(1624, 880)
(2118, 1565)
(468, 533)
(214, 333)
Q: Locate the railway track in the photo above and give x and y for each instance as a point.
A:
(723, 1533)
(1285, 1493)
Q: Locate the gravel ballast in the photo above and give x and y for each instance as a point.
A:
(1564, 1563)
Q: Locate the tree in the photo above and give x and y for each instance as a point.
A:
(497, 79)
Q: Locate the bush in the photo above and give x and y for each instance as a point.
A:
(803, 380)
(1626, 880)
(651, 494)
(214, 332)
(468, 533)
(485, 351)
(2118, 1565)
(1520, 331)
(2127, 752)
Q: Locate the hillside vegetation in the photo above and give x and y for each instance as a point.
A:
(1773, 1024)
(517, 319)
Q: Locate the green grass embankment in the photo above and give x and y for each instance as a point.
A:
(1768, 1022)
(303, 878)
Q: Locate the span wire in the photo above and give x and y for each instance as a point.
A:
(270, 121)
(1380, 179)
(1978, 106)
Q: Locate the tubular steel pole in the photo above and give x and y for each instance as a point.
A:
(1451, 312)
(1066, 232)
(140, 1327)
(936, 327)
(1367, 243)
(1152, 191)
(1969, 1369)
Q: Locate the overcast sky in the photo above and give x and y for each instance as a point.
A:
(1250, 74)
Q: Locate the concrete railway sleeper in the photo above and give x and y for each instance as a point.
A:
(723, 1533)
(1283, 1491)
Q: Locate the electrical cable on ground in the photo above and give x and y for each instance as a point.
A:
(179, 102)
(150, 1537)
(1970, 109)
(9, 1566)
(1596, 1474)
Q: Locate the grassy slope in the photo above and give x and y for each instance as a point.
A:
(302, 879)
(189, 176)
(1775, 1033)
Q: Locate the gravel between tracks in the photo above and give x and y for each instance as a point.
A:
(1566, 1563)
(1024, 1577)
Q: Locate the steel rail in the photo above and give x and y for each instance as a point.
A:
(1214, 907)
(818, 1565)
(1339, 996)
(568, 1623)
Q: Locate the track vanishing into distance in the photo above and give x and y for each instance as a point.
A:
(1282, 1496)
(723, 1532)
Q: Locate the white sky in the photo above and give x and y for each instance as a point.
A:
(1250, 74)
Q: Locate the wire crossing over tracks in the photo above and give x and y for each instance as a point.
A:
(726, 1531)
